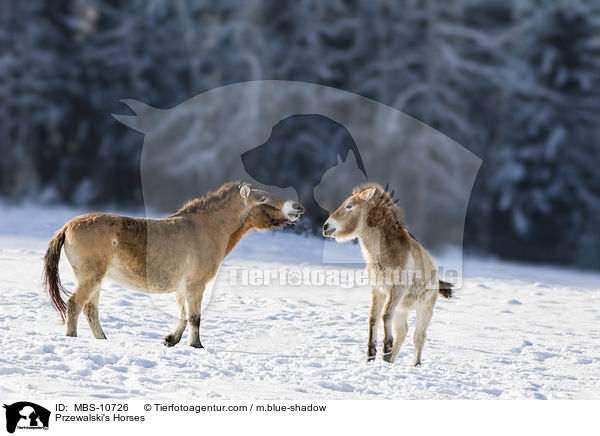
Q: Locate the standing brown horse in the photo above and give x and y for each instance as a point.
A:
(180, 253)
(402, 273)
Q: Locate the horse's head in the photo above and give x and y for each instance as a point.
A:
(268, 210)
(348, 221)
(264, 217)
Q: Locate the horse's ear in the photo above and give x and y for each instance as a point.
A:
(145, 116)
(339, 159)
(367, 194)
(245, 190)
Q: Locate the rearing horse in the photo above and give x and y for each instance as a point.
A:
(403, 275)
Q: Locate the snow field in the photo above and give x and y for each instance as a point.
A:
(512, 332)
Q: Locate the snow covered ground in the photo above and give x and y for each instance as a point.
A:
(512, 332)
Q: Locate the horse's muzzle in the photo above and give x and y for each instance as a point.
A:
(292, 210)
(328, 229)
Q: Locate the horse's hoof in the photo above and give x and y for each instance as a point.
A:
(170, 341)
(196, 345)
(387, 357)
(370, 358)
(417, 365)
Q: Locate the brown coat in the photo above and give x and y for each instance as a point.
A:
(403, 275)
(180, 253)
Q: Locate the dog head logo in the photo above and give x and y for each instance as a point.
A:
(297, 154)
(26, 415)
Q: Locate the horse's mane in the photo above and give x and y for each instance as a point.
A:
(210, 200)
(385, 208)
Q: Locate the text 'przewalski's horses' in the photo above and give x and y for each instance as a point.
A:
(403, 275)
(178, 254)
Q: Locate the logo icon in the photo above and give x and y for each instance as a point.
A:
(26, 415)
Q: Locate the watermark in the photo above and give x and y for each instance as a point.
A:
(25, 415)
(312, 416)
(308, 144)
(345, 278)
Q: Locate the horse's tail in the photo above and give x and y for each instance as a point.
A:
(446, 289)
(51, 277)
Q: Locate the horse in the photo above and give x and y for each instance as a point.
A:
(402, 274)
(179, 253)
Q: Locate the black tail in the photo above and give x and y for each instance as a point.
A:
(51, 277)
(446, 289)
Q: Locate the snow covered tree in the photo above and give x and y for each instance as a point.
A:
(516, 82)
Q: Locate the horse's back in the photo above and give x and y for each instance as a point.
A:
(101, 232)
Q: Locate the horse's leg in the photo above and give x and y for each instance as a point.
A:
(91, 313)
(388, 317)
(83, 293)
(174, 337)
(377, 300)
(400, 330)
(194, 302)
(424, 313)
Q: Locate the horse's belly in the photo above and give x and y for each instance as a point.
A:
(126, 278)
(139, 280)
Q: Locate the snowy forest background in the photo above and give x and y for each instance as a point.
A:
(516, 82)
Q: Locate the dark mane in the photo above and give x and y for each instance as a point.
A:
(210, 200)
(385, 208)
